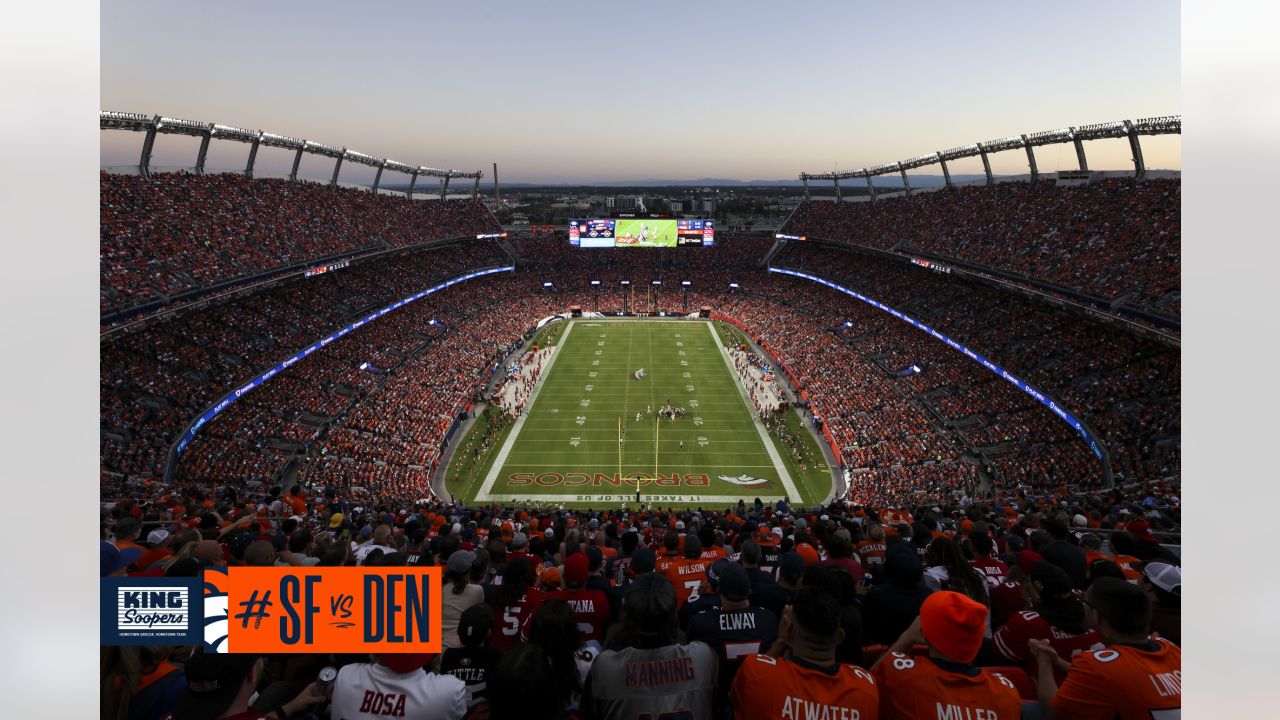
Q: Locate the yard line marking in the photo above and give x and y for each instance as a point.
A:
(755, 420)
(505, 450)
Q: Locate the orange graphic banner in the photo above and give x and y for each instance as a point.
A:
(333, 609)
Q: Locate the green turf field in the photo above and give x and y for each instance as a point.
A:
(566, 449)
(658, 233)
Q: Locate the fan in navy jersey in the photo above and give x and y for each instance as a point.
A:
(472, 662)
(734, 629)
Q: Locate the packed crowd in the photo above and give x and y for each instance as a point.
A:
(1029, 604)
(176, 232)
(1107, 239)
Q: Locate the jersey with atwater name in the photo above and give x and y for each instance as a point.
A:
(767, 688)
(364, 691)
(673, 681)
(1124, 681)
(917, 687)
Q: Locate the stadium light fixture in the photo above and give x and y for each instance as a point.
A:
(595, 282)
(733, 285)
(848, 324)
(685, 283)
(657, 282)
(546, 284)
(626, 282)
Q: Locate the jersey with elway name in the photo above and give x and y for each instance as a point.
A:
(364, 691)
(920, 687)
(590, 610)
(733, 634)
(1013, 641)
(790, 689)
(687, 577)
(1124, 681)
(993, 570)
(672, 681)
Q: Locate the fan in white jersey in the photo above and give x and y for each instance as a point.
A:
(396, 686)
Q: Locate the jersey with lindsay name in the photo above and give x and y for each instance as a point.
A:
(920, 687)
(674, 681)
(767, 688)
(1124, 681)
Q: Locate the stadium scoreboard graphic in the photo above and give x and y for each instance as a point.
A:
(642, 232)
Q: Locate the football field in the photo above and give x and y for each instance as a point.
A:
(580, 442)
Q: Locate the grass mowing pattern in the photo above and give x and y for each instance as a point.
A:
(566, 450)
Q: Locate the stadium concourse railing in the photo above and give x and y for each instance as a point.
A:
(1095, 445)
(1129, 129)
(216, 408)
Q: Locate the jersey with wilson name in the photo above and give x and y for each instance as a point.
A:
(1013, 641)
(768, 688)
(917, 687)
(1124, 681)
(364, 691)
(676, 681)
(687, 577)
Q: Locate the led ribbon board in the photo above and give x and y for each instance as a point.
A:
(248, 387)
(1048, 402)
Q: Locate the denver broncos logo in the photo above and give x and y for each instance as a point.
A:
(215, 610)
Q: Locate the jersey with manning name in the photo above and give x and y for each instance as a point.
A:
(767, 688)
(676, 680)
(1123, 681)
(916, 687)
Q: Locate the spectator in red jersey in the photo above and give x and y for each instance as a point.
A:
(1056, 616)
(983, 547)
(590, 607)
(513, 602)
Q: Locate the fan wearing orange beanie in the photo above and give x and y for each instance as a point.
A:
(944, 683)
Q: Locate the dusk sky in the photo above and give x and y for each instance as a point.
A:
(599, 91)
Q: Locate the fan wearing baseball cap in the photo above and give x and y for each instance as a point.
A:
(1136, 676)
(945, 683)
(733, 629)
(219, 686)
(395, 685)
(590, 607)
(800, 677)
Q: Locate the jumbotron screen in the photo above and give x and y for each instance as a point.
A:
(641, 232)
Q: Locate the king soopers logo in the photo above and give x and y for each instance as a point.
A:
(152, 609)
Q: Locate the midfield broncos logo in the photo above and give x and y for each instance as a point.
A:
(747, 481)
(638, 375)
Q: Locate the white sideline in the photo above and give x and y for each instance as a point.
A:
(792, 494)
(505, 450)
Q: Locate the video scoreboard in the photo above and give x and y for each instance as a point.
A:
(642, 231)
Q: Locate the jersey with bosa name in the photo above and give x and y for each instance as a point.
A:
(1013, 641)
(364, 691)
(991, 569)
(590, 610)
(916, 687)
(1123, 681)
(785, 689)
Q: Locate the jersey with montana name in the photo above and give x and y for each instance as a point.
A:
(917, 687)
(769, 688)
(590, 610)
(1123, 681)
(675, 681)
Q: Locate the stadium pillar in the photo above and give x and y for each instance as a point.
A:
(946, 174)
(204, 149)
(871, 188)
(1084, 164)
(297, 160)
(475, 189)
(337, 167)
(805, 179)
(253, 156)
(377, 179)
(148, 142)
(905, 182)
(413, 183)
(1139, 168)
(444, 187)
(1031, 159)
(836, 180)
(986, 165)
